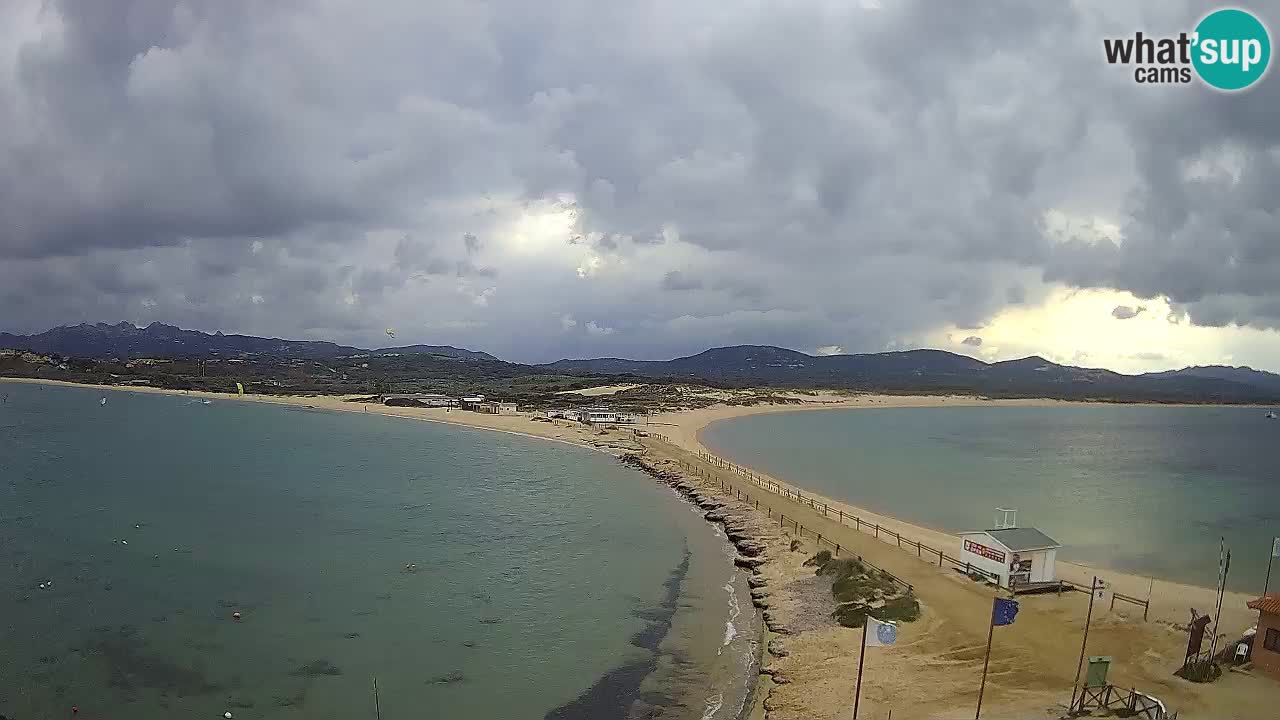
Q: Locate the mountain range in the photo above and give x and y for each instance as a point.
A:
(912, 371)
(125, 340)
(941, 371)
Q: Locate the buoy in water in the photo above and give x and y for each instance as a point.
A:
(236, 616)
(227, 715)
(75, 709)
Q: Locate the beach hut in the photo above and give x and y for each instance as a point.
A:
(1266, 642)
(1021, 558)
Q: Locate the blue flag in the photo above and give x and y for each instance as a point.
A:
(1004, 612)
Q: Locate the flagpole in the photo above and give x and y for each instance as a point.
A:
(1213, 644)
(991, 631)
(857, 693)
(1093, 589)
(1271, 555)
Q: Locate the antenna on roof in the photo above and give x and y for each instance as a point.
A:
(1006, 518)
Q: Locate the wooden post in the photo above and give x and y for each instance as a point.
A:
(991, 631)
(1093, 588)
(857, 693)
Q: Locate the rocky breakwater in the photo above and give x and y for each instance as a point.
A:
(762, 549)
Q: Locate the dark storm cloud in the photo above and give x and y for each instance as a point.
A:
(1202, 220)
(1125, 312)
(308, 169)
(676, 280)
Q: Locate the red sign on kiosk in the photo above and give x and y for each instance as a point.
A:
(984, 551)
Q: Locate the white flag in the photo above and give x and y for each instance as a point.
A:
(881, 633)
(1275, 547)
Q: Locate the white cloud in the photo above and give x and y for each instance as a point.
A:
(598, 330)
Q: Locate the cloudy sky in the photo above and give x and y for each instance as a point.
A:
(584, 178)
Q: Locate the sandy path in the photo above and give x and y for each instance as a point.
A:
(934, 670)
(1170, 601)
(600, 390)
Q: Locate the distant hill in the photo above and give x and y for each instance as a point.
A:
(125, 340)
(912, 371)
(442, 350)
(1246, 375)
(921, 371)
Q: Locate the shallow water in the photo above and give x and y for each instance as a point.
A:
(1141, 489)
(546, 580)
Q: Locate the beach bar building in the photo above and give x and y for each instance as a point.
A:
(1265, 652)
(1021, 558)
(420, 400)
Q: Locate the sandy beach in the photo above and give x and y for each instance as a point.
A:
(933, 671)
(1169, 601)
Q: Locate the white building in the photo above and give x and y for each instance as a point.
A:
(604, 416)
(1024, 556)
(421, 399)
(492, 407)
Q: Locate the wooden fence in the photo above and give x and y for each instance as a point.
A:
(785, 522)
(1144, 604)
(880, 532)
(1130, 702)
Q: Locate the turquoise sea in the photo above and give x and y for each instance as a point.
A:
(472, 574)
(1141, 489)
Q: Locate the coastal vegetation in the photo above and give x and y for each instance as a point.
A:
(169, 357)
(860, 590)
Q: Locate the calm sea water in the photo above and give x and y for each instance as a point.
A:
(1147, 490)
(545, 580)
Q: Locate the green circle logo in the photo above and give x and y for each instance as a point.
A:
(1232, 49)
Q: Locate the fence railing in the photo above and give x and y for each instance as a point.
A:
(785, 522)
(1144, 604)
(1131, 702)
(880, 532)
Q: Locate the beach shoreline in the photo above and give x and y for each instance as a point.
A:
(1169, 599)
(616, 443)
(685, 429)
(944, 642)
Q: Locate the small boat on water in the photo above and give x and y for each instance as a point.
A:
(1271, 415)
(206, 402)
